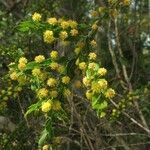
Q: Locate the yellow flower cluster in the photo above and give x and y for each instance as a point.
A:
(94, 26)
(74, 32)
(110, 93)
(73, 24)
(64, 24)
(63, 35)
(67, 92)
(93, 43)
(82, 65)
(86, 81)
(56, 105)
(51, 82)
(36, 72)
(92, 66)
(54, 94)
(65, 79)
(52, 21)
(54, 55)
(89, 95)
(22, 63)
(54, 65)
(92, 56)
(36, 17)
(39, 59)
(14, 76)
(42, 93)
(46, 106)
(77, 50)
(102, 71)
(48, 36)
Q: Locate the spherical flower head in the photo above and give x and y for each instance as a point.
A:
(54, 66)
(95, 87)
(92, 56)
(82, 66)
(102, 71)
(93, 43)
(126, 2)
(23, 60)
(36, 17)
(65, 79)
(89, 95)
(77, 84)
(46, 106)
(43, 76)
(92, 66)
(102, 84)
(51, 82)
(94, 26)
(45, 147)
(54, 94)
(52, 21)
(48, 36)
(77, 50)
(110, 93)
(73, 24)
(21, 66)
(74, 32)
(61, 69)
(86, 81)
(64, 24)
(66, 92)
(42, 93)
(36, 72)
(54, 55)
(63, 35)
(22, 80)
(14, 76)
(39, 59)
(56, 105)
(94, 13)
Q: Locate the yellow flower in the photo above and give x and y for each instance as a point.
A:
(21, 66)
(82, 65)
(54, 66)
(102, 71)
(94, 26)
(65, 79)
(42, 76)
(94, 13)
(89, 95)
(95, 87)
(52, 21)
(39, 59)
(22, 80)
(61, 69)
(56, 105)
(63, 35)
(54, 94)
(72, 24)
(102, 84)
(54, 55)
(51, 82)
(77, 84)
(92, 66)
(23, 60)
(101, 9)
(93, 43)
(77, 50)
(36, 17)
(45, 147)
(64, 24)
(46, 106)
(48, 36)
(86, 81)
(126, 2)
(36, 72)
(67, 92)
(92, 56)
(110, 93)
(42, 93)
(14, 76)
(74, 32)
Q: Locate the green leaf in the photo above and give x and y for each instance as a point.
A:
(43, 137)
(32, 108)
